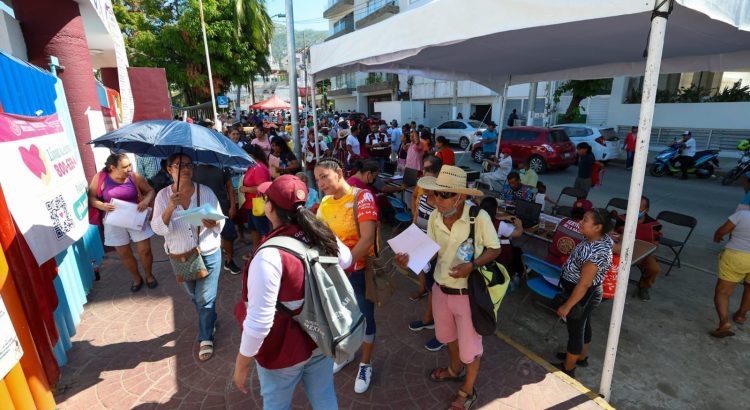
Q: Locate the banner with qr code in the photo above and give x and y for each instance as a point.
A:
(44, 184)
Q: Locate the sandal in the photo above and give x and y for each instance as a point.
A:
(445, 374)
(154, 283)
(136, 287)
(463, 400)
(721, 333)
(738, 318)
(206, 350)
(418, 296)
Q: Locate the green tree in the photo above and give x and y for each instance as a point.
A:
(167, 34)
(581, 89)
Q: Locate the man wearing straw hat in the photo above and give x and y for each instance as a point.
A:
(449, 227)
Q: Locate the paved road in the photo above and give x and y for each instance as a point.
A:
(666, 360)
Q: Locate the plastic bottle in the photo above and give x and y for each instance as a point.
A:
(96, 269)
(465, 252)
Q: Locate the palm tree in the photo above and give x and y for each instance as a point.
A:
(252, 19)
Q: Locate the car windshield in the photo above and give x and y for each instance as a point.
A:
(477, 124)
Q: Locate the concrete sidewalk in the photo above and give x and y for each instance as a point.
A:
(139, 351)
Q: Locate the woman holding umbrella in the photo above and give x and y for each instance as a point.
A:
(182, 241)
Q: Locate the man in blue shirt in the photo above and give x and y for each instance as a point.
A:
(489, 140)
(514, 190)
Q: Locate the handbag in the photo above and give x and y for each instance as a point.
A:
(189, 266)
(378, 284)
(95, 214)
(259, 206)
(488, 285)
(576, 312)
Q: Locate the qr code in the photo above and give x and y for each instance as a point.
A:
(57, 209)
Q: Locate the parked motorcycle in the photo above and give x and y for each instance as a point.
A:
(743, 165)
(666, 162)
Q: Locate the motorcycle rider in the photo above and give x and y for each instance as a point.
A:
(687, 155)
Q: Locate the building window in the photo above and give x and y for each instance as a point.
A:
(694, 87)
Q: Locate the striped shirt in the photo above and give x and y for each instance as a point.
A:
(179, 236)
(598, 252)
(423, 213)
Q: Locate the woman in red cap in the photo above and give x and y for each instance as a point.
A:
(283, 351)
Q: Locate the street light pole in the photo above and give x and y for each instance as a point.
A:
(208, 64)
(293, 78)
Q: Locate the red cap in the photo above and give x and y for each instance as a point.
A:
(506, 151)
(583, 203)
(286, 191)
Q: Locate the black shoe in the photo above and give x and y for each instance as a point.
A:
(643, 294)
(151, 285)
(571, 373)
(232, 267)
(136, 288)
(581, 363)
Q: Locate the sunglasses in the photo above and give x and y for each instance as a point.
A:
(445, 195)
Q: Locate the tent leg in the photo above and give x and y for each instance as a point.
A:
(651, 78)
(315, 123)
(502, 116)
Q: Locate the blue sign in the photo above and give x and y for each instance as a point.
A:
(222, 101)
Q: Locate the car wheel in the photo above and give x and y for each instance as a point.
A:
(477, 156)
(463, 143)
(537, 164)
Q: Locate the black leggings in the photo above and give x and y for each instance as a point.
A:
(579, 330)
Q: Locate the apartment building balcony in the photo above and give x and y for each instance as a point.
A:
(378, 82)
(336, 7)
(341, 27)
(375, 12)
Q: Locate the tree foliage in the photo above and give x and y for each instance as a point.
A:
(167, 34)
(581, 89)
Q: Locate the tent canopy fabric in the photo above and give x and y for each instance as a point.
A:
(273, 103)
(536, 40)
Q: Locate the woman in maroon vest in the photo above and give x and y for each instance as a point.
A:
(283, 352)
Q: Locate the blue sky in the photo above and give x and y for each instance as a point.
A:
(308, 14)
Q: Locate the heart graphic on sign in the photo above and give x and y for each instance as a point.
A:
(33, 160)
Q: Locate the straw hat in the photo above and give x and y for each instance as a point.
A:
(450, 179)
(343, 133)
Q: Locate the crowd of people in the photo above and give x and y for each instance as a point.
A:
(340, 212)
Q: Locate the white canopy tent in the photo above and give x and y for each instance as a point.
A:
(497, 42)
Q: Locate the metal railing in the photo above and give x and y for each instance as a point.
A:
(724, 140)
(373, 6)
(196, 112)
(346, 23)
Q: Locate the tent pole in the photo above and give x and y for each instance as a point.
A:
(502, 115)
(651, 78)
(294, 101)
(315, 123)
(217, 127)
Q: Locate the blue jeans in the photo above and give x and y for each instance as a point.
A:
(629, 159)
(277, 386)
(258, 223)
(203, 293)
(367, 308)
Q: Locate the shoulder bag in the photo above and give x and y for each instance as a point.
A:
(189, 266)
(95, 214)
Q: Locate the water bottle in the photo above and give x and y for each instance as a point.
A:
(95, 267)
(465, 252)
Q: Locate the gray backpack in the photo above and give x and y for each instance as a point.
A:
(330, 314)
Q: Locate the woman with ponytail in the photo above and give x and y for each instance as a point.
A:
(282, 350)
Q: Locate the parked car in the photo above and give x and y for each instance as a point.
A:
(541, 148)
(461, 132)
(604, 141)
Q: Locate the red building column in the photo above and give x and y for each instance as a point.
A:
(55, 28)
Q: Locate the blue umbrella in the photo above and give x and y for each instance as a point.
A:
(162, 138)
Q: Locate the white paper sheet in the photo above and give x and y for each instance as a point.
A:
(126, 215)
(415, 243)
(194, 216)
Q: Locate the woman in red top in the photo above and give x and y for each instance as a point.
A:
(444, 152)
(254, 176)
(630, 147)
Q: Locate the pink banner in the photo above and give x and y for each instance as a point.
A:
(19, 127)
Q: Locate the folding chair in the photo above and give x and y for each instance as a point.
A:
(676, 246)
(565, 210)
(402, 212)
(617, 203)
(541, 285)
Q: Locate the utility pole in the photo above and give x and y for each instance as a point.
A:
(217, 126)
(293, 79)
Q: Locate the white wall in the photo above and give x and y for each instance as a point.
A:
(11, 37)
(689, 115)
(342, 104)
(401, 111)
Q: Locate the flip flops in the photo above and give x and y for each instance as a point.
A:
(721, 333)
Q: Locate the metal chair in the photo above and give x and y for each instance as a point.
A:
(565, 210)
(675, 245)
(541, 285)
(617, 203)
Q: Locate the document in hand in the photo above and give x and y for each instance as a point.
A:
(415, 243)
(126, 215)
(194, 216)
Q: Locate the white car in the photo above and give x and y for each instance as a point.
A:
(461, 132)
(604, 142)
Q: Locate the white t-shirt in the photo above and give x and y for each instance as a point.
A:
(354, 142)
(740, 240)
(689, 150)
(505, 229)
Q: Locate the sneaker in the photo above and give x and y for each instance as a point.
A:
(643, 294)
(571, 373)
(338, 366)
(581, 363)
(418, 325)
(363, 378)
(434, 345)
(232, 267)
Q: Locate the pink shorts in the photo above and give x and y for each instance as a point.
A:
(453, 322)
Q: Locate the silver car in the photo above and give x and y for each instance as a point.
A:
(461, 132)
(604, 142)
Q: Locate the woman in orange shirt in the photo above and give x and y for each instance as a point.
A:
(444, 152)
